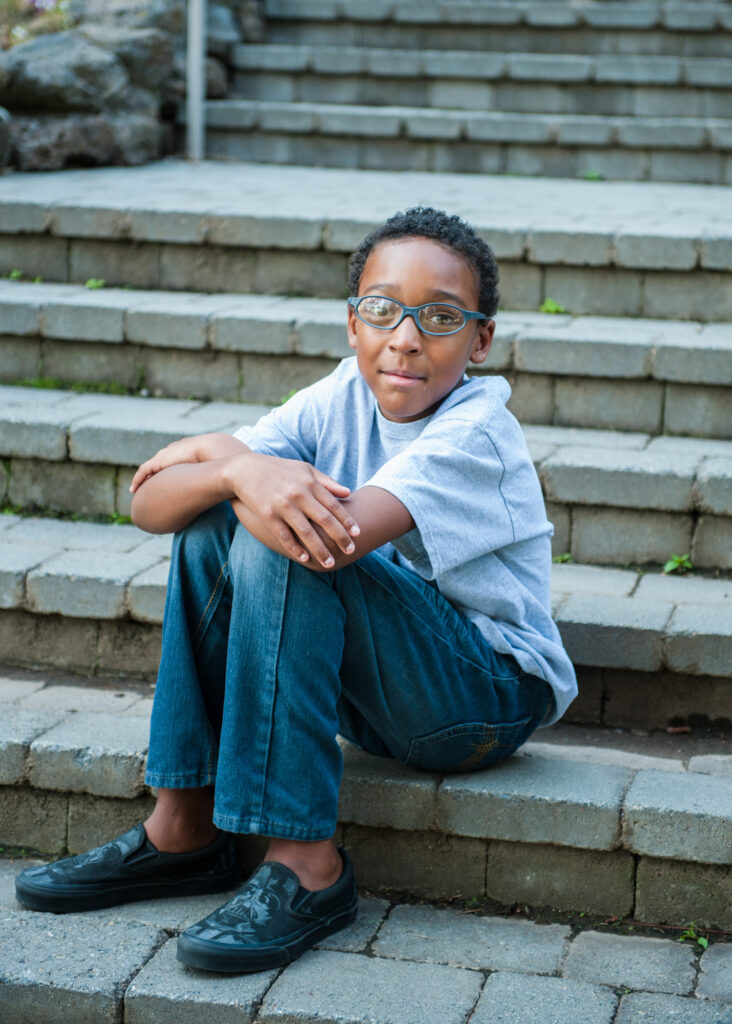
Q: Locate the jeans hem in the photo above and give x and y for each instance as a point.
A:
(273, 829)
(179, 780)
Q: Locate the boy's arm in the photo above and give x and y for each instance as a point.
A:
(381, 518)
(283, 498)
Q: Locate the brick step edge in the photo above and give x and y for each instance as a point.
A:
(66, 740)
(139, 204)
(612, 619)
(681, 352)
(646, 15)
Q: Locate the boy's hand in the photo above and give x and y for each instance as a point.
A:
(201, 448)
(289, 499)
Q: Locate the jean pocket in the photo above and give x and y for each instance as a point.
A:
(467, 747)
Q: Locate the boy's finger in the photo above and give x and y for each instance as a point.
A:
(328, 523)
(338, 510)
(331, 485)
(310, 539)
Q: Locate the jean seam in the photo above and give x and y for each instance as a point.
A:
(210, 601)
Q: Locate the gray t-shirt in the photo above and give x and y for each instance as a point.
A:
(465, 475)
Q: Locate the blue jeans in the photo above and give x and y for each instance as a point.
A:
(264, 661)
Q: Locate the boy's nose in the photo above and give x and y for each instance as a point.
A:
(407, 337)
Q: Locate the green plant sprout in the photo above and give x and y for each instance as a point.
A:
(692, 933)
(94, 283)
(678, 564)
(288, 396)
(16, 275)
(592, 175)
(562, 559)
(551, 306)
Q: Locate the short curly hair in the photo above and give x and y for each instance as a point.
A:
(450, 231)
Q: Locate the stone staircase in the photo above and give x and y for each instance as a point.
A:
(618, 90)
(224, 287)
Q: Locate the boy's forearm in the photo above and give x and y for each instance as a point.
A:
(172, 498)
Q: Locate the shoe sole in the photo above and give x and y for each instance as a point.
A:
(77, 899)
(207, 956)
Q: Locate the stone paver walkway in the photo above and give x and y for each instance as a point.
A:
(399, 963)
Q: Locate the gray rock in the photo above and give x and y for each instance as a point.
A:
(251, 21)
(147, 53)
(52, 143)
(221, 30)
(168, 15)
(4, 136)
(62, 72)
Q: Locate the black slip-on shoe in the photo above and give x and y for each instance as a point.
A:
(126, 869)
(270, 921)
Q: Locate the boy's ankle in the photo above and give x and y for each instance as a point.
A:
(173, 841)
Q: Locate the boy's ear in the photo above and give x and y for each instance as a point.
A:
(351, 326)
(483, 342)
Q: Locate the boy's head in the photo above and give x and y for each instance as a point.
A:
(423, 293)
(451, 232)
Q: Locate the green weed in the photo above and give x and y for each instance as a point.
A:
(551, 306)
(288, 396)
(692, 933)
(94, 283)
(678, 564)
(592, 175)
(562, 559)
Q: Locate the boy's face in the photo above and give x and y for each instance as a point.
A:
(408, 371)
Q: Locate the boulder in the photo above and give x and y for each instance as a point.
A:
(4, 136)
(60, 73)
(251, 22)
(147, 53)
(166, 15)
(52, 142)
(221, 30)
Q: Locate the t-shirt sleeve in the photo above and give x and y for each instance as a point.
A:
(290, 431)
(467, 495)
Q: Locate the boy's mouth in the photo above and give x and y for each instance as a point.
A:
(402, 376)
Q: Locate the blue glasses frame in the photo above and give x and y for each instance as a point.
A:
(356, 300)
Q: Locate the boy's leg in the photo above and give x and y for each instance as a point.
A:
(419, 681)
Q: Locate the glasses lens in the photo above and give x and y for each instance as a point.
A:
(379, 311)
(438, 319)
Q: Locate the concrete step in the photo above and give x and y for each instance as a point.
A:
(611, 827)
(650, 27)
(614, 497)
(650, 650)
(523, 82)
(402, 138)
(610, 373)
(606, 248)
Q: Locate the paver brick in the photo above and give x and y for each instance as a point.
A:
(714, 486)
(624, 961)
(177, 320)
(449, 937)
(80, 699)
(677, 892)
(516, 999)
(94, 820)
(606, 535)
(430, 864)
(599, 755)
(536, 800)
(620, 478)
(701, 355)
(583, 438)
(15, 563)
(712, 546)
(587, 346)
(379, 791)
(91, 752)
(165, 992)
(588, 579)
(561, 877)
(684, 589)
(259, 324)
(96, 316)
(649, 1008)
(12, 689)
(715, 980)
(699, 641)
(60, 533)
(146, 593)
(701, 410)
(682, 816)
(18, 728)
(33, 819)
(85, 489)
(356, 988)
(69, 987)
(617, 404)
(85, 584)
(714, 764)
(32, 431)
(614, 632)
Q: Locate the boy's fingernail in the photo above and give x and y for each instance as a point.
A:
(304, 556)
(350, 548)
(355, 530)
(328, 561)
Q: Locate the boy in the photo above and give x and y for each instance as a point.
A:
(372, 558)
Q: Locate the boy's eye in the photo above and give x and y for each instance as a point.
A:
(378, 309)
(445, 317)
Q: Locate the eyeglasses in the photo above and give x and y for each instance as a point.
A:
(385, 314)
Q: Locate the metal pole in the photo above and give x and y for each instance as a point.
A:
(195, 79)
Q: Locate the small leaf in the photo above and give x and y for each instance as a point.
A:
(16, 275)
(562, 559)
(704, 943)
(551, 306)
(95, 282)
